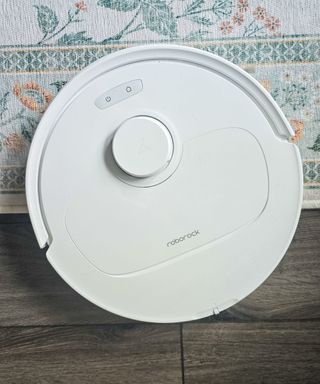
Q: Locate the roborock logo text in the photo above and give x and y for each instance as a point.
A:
(196, 232)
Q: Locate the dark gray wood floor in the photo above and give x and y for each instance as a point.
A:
(49, 334)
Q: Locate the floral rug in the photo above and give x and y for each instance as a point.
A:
(44, 43)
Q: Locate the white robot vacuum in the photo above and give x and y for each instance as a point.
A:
(164, 183)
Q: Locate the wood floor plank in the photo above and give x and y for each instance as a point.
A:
(14, 218)
(31, 292)
(113, 354)
(252, 353)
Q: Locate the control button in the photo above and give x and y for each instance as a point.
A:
(142, 146)
(119, 93)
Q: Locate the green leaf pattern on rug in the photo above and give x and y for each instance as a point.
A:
(201, 20)
(194, 6)
(158, 17)
(48, 23)
(59, 84)
(316, 145)
(119, 5)
(222, 8)
(47, 19)
(163, 17)
(74, 38)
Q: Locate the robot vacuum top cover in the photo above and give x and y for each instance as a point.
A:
(163, 180)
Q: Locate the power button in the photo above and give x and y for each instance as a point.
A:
(119, 93)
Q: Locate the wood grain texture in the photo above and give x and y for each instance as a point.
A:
(13, 219)
(252, 353)
(31, 292)
(84, 354)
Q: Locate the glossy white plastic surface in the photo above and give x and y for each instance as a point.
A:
(174, 203)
